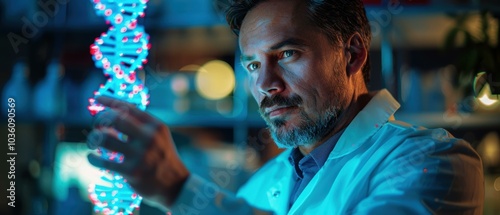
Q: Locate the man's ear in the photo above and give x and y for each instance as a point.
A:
(356, 54)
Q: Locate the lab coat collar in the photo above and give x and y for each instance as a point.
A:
(377, 112)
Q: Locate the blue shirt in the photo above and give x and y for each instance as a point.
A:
(305, 167)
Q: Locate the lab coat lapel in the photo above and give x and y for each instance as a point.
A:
(327, 174)
(279, 192)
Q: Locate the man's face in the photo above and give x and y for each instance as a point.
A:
(297, 75)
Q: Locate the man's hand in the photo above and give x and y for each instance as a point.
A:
(151, 165)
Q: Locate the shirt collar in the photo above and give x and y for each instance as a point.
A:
(318, 156)
(320, 153)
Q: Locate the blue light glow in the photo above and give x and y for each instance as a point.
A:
(119, 52)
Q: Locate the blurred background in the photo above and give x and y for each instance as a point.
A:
(439, 58)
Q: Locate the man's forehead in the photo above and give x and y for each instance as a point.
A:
(273, 12)
(266, 29)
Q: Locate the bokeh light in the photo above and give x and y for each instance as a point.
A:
(486, 98)
(497, 184)
(180, 85)
(215, 80)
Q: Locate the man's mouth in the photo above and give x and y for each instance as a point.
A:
(275, 111)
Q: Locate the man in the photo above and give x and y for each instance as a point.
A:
(307, 63)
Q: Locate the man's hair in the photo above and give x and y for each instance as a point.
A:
(338, 19)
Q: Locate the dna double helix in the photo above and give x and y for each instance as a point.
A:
(120, 53)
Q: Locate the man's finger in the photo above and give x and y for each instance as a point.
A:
(107, 138)
(97, 161)
(124, 107)
(122, 122)
(104, 118)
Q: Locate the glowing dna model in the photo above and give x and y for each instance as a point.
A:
(119, 53)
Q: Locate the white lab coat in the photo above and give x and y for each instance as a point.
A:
(378, 166)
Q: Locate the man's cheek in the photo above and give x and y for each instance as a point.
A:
(255, 93)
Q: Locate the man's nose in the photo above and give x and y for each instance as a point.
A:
(269, 81)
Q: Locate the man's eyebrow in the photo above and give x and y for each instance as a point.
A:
(286, 42)
(245, 58)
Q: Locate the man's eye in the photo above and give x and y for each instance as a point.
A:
(252, 66)
(288, 53)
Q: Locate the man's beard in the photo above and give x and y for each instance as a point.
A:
(307, 132)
